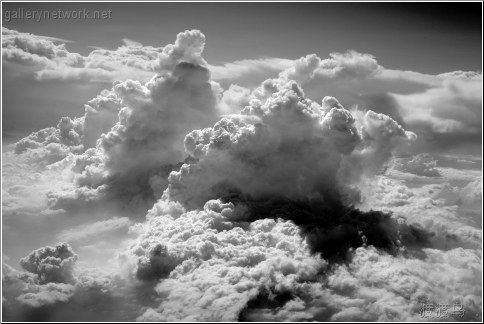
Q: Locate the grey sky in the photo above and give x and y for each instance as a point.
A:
(428, 37)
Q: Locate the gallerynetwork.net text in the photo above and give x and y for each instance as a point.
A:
(39, 15)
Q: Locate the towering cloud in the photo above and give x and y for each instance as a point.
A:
(286, 145)
(262, 204)
(131, 136)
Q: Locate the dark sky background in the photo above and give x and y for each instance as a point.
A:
(424, 37)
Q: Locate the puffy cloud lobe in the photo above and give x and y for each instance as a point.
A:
(29, 297)
(234, 99)
(375, 286)
(462, 75)
(472, 192)
(283, 144)
(52, 61)
(49, 279)
(455, 107)
(70, 136)
(47, 294)
(348, 65)
(131, 136)
(36, 50)
(129, 60)
(213, 268)
(421, 164)
(101, 114)
(381, 135)
(188, 48)
(67, 133)
(133, 159)
(444, 108)
(434, 207)
(51, 264)
(27, 184)
(52, 144)
(155, 118)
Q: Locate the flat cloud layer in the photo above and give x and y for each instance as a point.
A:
(244, 202)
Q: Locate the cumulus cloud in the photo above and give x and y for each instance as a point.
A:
(284, 144)
(51, 60)
(249, 72)
(443, 109)
(36, 50)
(455, 107)
(49, 279)
(462, 75)
(434, 207)
(472, 192)
(133, 159)
(349, 65)
(51, 264)
(188, 48)
(421, 164)
(213, 268)
(53, 288)
(234, 99)
(378, 287)
(131, 136)
(263, 203)
(47, 294)
(71, 135)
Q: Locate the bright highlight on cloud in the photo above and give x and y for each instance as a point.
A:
(225, 202)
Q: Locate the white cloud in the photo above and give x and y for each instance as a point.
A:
(376, 286)
(31, 296)
(453, 108)
(47, 294)
(243, 226)
(421, 164)
(31, 49)
(249, 71)
(212, 268)
(284, 144)
(52, 61)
